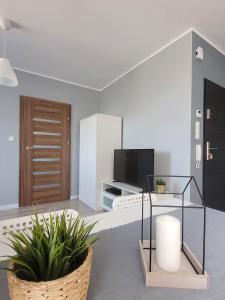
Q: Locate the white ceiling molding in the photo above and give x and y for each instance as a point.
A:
(117, 78)
(57, 79)
(160, 50)
(147, 58)
(208, 41)
(97, 42)
(130, 69)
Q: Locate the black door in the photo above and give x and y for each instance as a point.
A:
(214, 146)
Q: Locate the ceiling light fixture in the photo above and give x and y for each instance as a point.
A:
(7, 74)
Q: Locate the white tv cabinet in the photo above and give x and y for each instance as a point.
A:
(107, 198)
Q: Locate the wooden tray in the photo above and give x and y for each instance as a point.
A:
(185, 278)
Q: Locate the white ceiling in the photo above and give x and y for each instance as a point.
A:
(93, 42)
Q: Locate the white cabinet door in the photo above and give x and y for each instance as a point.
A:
(99, 136)
(108, 139)
(87, 180)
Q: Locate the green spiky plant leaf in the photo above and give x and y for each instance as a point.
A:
(160, 182)
(51, 248)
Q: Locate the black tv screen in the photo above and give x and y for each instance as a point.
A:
(132, 165)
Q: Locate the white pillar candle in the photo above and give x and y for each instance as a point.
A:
(168, 243)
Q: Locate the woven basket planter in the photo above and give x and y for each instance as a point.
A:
(73, 286)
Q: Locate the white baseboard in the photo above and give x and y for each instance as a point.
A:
(74, 197)
(8, 206)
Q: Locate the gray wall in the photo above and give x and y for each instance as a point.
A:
(155, 103)
(212, 68)
(84, 102)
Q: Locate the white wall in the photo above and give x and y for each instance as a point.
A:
(84, 103)
(155, 103)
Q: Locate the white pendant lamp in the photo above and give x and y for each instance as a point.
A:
(7, 74)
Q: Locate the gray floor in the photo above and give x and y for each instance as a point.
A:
(116, 271)
(83, 209)
(117, 274)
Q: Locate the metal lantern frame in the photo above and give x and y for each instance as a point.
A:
(183, 207)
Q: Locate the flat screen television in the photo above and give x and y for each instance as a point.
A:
(132, 165)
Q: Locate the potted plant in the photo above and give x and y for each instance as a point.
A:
(53, 259)
(160, 186)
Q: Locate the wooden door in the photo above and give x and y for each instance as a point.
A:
(214, 146)
(44, 151)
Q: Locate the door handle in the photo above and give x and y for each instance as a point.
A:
(213, 148)
(29, 148)
(209, 155)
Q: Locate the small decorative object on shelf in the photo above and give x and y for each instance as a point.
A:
(160, 186)
(168, 261)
